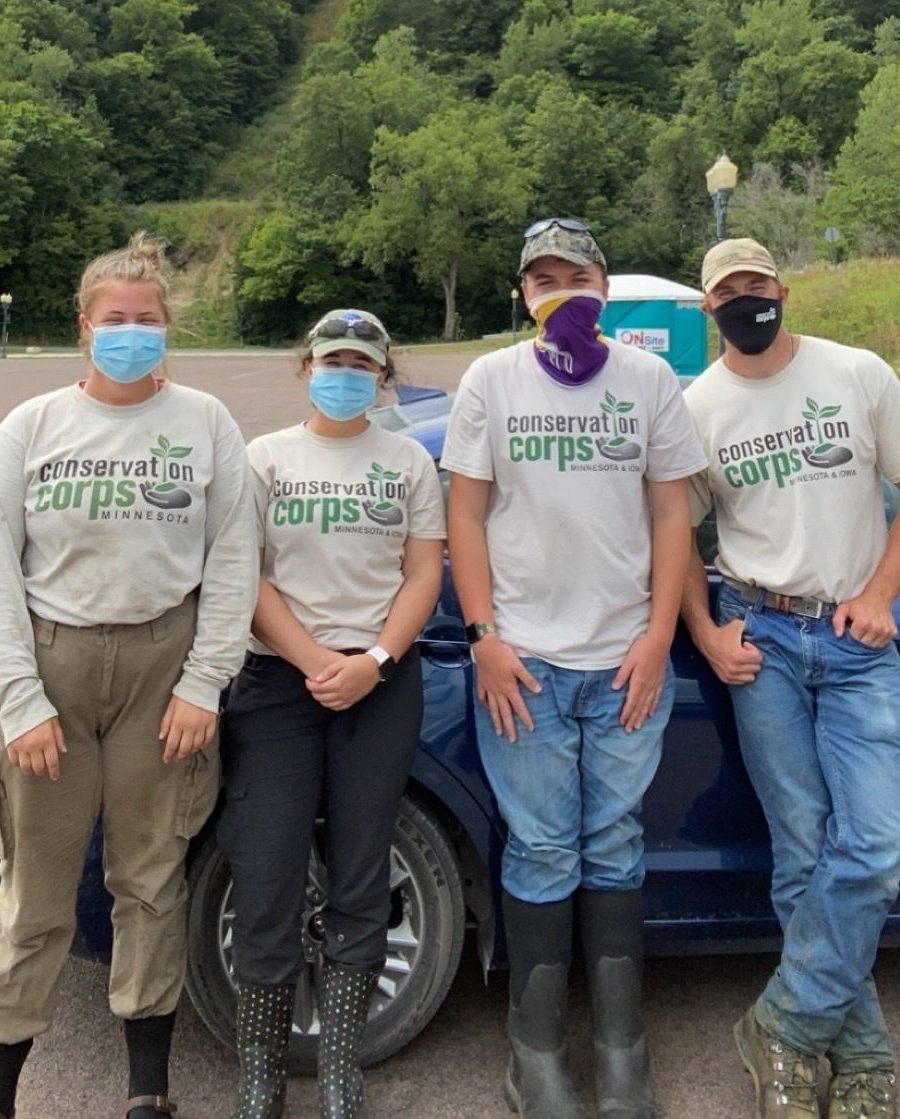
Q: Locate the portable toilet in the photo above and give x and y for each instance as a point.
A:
(661, 316)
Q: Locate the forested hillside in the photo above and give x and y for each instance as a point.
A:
(423, 135)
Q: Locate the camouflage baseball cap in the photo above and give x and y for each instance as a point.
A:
(566, 238)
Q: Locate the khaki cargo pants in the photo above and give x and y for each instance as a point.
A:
(111, 685)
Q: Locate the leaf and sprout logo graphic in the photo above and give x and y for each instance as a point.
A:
(619, 448)
(384, 511)
(167, 494)
(825, 454)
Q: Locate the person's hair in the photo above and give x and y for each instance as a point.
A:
(143, 260)
(304, 355)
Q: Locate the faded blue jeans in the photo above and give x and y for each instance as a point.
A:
(570, 791)
(820, 736)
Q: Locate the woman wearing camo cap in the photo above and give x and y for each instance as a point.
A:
(351, 527)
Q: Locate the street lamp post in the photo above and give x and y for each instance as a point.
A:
(514, 311)
(5, 303)
(721, 179)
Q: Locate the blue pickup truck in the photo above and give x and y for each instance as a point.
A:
(707, 844)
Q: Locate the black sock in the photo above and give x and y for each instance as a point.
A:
(12, 1057)
(149, 1041)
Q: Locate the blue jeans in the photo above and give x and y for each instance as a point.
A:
(820, 735)
(570, 791)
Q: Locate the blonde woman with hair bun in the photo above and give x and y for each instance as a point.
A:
(128, 576)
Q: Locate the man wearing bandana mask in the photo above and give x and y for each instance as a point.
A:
(569, 540)
(798, 432)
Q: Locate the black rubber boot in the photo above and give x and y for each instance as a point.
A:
(343, 1009)
(264, 1021)
(612, 934)
(539, 945)
(12, 1058)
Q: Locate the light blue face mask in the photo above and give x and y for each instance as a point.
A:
(128, 352)
(342, 394)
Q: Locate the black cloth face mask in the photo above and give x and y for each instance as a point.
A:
(750, 323)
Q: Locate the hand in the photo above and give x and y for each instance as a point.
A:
(345, 681)
(37, 750)
(733, 660)
(186, 728)
(870, 617)
(644, 671)
(500, 672)
(319, 660)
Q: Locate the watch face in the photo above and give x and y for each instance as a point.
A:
(386, 668)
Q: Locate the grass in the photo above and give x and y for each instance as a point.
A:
(470, 346)
(855, 303)
(202, 238)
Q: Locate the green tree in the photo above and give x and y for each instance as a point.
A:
(580, 158)
(437, 193)
(864, 195)
(401, 88)
(449, 28)
(780, 210)
(614, 54)
(254, 40)
(537, 41)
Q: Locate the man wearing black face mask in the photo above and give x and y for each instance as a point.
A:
(798, 433)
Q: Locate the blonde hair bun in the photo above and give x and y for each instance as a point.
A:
(143, 260)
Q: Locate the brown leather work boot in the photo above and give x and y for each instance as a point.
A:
(785, 1079)
(863, 1095)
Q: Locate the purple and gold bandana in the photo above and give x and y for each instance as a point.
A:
(569, 346)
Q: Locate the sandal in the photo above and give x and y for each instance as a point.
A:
(163, 1105)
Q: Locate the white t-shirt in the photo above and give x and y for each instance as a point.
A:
(23, 702)
(333, 518)
(118, 513)
(568, 523)
(795, 465)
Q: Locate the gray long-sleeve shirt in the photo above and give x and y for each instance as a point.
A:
(116, 514)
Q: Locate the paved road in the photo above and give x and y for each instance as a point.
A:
(454, 1070)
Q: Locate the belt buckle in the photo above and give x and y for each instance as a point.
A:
(807, 607)
(783, 602)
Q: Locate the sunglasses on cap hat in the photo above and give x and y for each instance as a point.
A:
(564, 223)
(358, 328)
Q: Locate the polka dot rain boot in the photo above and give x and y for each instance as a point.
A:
(264, 1023)
(343, 1009)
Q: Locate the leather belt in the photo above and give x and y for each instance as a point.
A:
(803, 605)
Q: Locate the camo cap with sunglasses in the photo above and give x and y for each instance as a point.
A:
(350, 330)
(566, 238)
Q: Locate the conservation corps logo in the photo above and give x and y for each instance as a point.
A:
(784, 456)
(608, 441)
(167, 494)
(342, 506)
(118, 488)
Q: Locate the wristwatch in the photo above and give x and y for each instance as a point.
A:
(477, 630)
(384, 660)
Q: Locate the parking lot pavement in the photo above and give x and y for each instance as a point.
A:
(454, 1070)
(260, 388)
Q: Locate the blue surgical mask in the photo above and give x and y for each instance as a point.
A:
(128, 352)
(342, 394)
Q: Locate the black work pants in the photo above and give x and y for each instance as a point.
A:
(283, 755)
